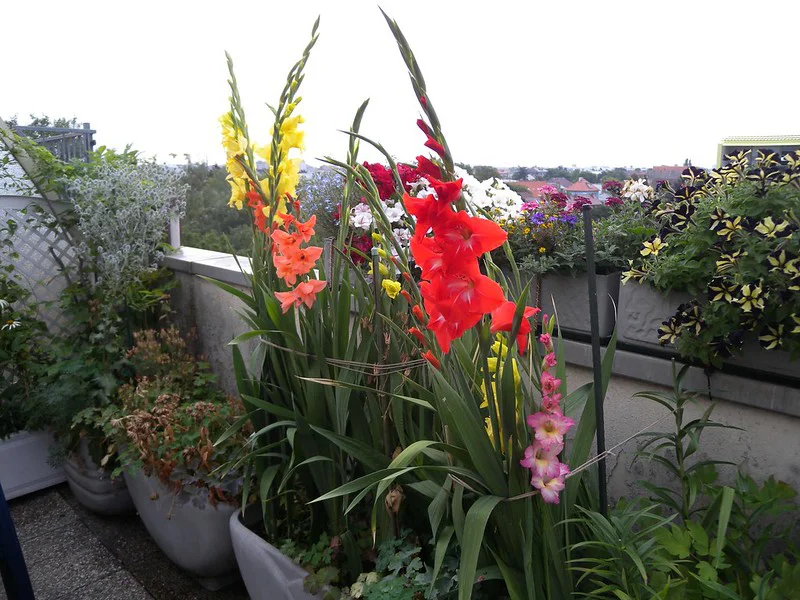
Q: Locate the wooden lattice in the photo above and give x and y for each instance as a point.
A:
(40, 254)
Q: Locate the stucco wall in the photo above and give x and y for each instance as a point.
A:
(769, 443)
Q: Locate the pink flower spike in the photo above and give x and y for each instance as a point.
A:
(549, 428)
(550, 384)
(551, 403)
(549, 488)
(546, 340)
(541, 461)
(549, 361)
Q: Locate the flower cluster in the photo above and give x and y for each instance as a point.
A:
(293, 260)
(491, 195)
(541, 224)
(549, 426)
(730, 235)
(446, 246)
(283, 170)
(638, 190)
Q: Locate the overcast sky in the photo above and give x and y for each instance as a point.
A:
(541, 82)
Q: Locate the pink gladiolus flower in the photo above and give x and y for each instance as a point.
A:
(542, 462)
(550, 403)
(550, 384)
(549, 428)
(546, 340)
(549, 360)
(549, 488)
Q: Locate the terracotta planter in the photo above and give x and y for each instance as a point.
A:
(93, 488)
(571, 295)
(188, 529)
(23, 463)
(267, 574)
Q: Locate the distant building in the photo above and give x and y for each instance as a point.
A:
(664, 173)
(534, 188)
(583, 188)
(777, 143)
(562, 183)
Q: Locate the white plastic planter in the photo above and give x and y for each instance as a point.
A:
(23, 464)
(188, 529)
(571, 295)
(267, 573)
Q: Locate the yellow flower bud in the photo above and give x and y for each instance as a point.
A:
(376, 237)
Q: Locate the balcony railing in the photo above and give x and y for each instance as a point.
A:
(64, 143)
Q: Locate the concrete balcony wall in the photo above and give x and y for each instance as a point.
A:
(769, 414)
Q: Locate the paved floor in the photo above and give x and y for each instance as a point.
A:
(73, 554)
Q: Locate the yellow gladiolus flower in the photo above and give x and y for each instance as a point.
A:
(392, 288)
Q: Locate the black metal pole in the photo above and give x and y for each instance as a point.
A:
(12, 563)
(596, 364)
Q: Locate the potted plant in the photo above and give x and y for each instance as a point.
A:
(25, 441)
(163, 430)
(729, 240)
(548, 238)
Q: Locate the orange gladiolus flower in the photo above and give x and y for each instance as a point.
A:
(306, 230)
(304, 259)
(304, 293)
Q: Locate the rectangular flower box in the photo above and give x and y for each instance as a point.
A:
(23, 464)
(642, 309)
(571, 296)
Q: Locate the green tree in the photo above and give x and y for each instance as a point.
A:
(520, 173)
(484, 172)
(209, 222)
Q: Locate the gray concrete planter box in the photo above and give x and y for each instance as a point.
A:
(642, 309)
(94, 488)
(571, 295)
(267, 574)
(23, 464)
(188, 529)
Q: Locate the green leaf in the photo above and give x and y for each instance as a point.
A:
(474, 531)
(676, 541)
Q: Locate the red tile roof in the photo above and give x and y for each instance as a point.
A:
(582, 186)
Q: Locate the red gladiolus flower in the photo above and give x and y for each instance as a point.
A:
(304, 293)
(471, 235)
(428, 169)
(460, 293)
(447, 192)
(428, 355)
(417, 334)
(432, 142)
(305, 230)
(417, 311)
(503, 318)
(427, 211)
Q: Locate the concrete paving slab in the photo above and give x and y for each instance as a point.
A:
(119, 586)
